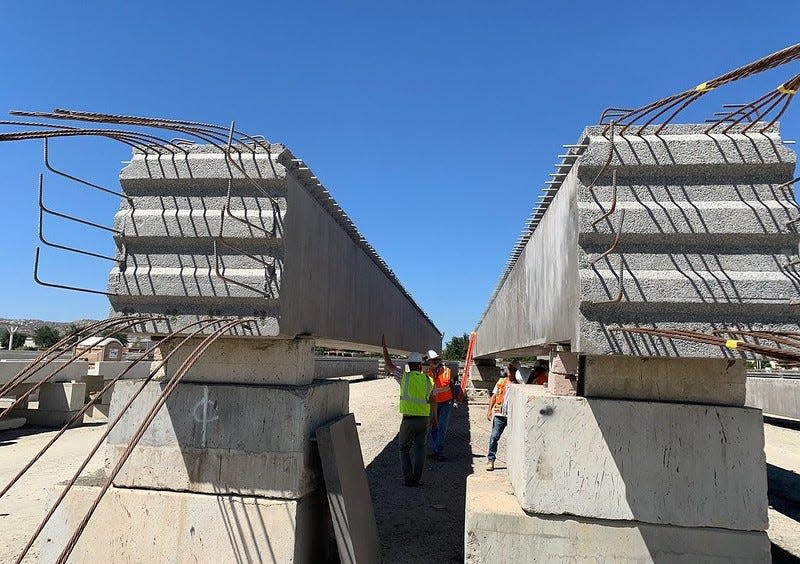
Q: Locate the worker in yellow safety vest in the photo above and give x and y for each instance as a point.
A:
(418, 408)
(444, 393)
(497, 412)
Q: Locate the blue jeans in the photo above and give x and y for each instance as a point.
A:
(438, 434)
(498, 426)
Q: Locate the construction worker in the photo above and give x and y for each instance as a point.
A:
(418, 407)
(497, 413)
(540, 373)
(444, 393)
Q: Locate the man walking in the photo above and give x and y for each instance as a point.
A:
(497, 413)
(444, 393)
(417, 406)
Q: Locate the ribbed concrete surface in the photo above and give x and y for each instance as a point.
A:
(702, 246)
(309, 272)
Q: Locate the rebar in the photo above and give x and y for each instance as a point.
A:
(101, 441)
(93, 400)
(171, 386)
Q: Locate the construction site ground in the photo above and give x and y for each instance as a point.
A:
(416, 525)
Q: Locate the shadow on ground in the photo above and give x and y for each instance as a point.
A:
(424, 524)
(13, 435)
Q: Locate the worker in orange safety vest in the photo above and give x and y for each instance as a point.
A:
(444, 394)
(497, 412)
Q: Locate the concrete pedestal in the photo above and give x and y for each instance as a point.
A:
(662, 463)
(252, 440)
(226, 472)
(58, 403)
(498, 530)
(133, 526)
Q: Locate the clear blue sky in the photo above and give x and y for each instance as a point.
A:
(453, 112)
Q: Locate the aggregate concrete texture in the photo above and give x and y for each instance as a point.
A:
(287, 254)
(661, 463)
(702, 242)
(132, 526)
(690, 380)
(498, 530)
(775, 395)
(211, 438)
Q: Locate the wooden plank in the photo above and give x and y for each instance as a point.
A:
(348, 492)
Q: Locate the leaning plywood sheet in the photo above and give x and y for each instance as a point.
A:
(348, 492)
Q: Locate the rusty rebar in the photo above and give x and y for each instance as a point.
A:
(79, 415)
(109, 427)
(177, 377)
(56, 350)
(125, 323)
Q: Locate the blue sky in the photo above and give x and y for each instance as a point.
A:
(449, 113)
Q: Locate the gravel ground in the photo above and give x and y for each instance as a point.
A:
(416, 525)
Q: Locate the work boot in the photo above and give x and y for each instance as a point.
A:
(489, 465)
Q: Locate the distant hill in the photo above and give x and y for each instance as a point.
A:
(28, 326)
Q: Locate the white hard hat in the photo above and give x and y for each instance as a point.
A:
(432, 354)
(415, 357)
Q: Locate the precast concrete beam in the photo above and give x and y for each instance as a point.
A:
(279, 250)
(681, 230)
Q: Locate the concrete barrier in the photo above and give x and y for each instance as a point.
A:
(338, 366)
(774, 394)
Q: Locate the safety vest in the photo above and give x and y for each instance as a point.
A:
(441, 380)
(502, 386)
(415, 389)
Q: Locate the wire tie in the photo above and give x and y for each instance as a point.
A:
(783, 90)
(703, 87)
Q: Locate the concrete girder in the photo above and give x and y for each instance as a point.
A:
(289, 256)
(698, 225)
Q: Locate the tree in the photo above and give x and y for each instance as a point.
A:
(45, 336)
(19, 340)
(456, 348)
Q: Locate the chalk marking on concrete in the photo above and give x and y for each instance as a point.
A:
(203, 402)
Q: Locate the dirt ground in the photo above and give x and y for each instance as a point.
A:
(416, 525)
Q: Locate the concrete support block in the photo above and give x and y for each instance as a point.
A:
(686, 380)
(338, 366)
(93, 384)
(243, 361)
(62, 396)
(110, 369)
(563, 377)
(498, 530)
(254, 440)
(775, 396)
(174, 528)
(687, 465)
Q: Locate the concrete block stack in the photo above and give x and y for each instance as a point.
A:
(615, 479)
